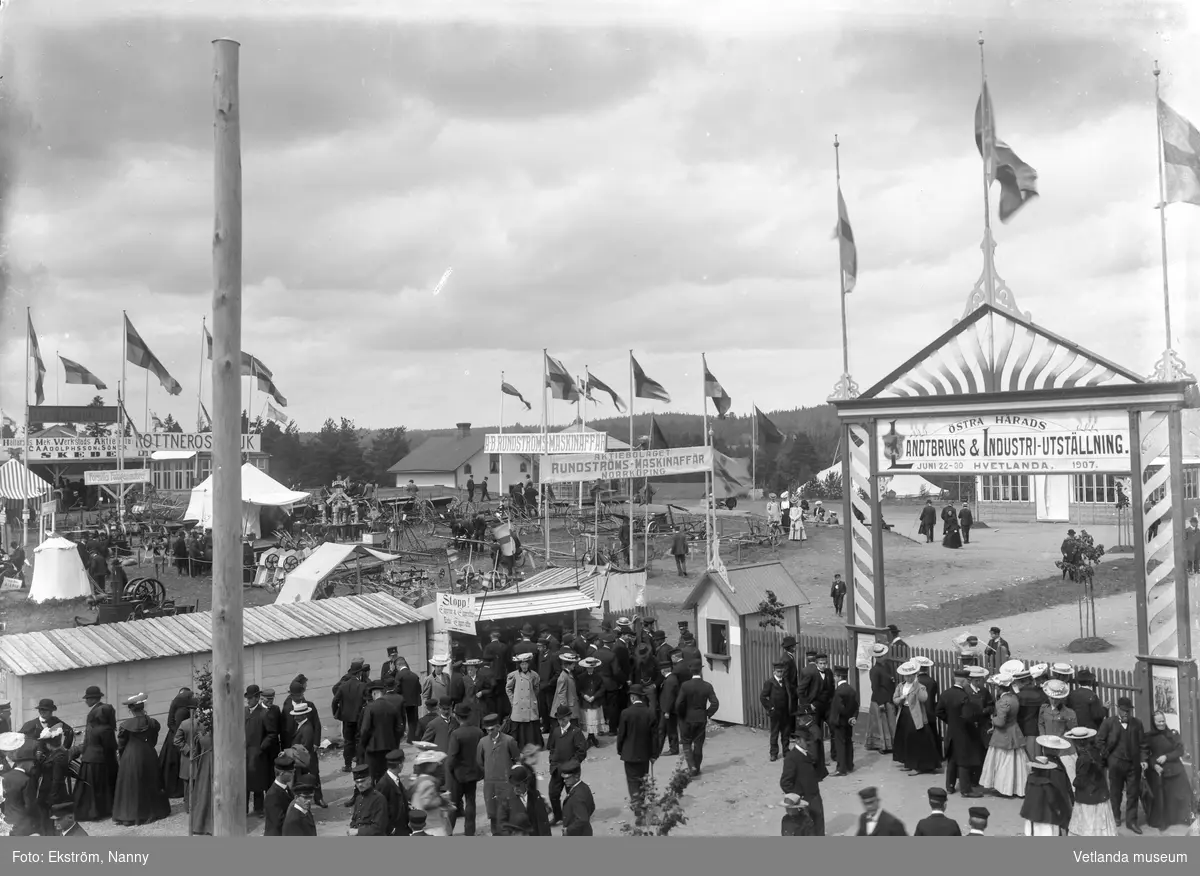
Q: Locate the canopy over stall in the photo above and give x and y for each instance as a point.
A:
(258, 490)
(302, 581)
(58, 571)
(18, 484)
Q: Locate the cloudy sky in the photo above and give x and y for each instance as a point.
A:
(606, 175)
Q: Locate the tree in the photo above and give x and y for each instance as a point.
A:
(334, 451)
(771, 610)
(1081, 555)
(656, 815)
(388, 447)
(169, 425)
(97, 430)
(832, 485)
(287, 452)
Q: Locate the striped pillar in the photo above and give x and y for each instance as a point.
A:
(861, 564)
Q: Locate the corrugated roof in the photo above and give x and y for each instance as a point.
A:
(554, 579)
(748, 586)
(590, 580)
(88, 647)
(440, 453)
(508, 605)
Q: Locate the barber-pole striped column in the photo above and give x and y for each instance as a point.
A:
(860, 563)
(1158, 541)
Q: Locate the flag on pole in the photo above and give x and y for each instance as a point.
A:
(1018, 181)
(39, 384)
(204, 424)
(208, 341)
(713, 390)
(6, 420)
(593, 381)
(732, 474)
(644, 387)
(252, 366)
(768, 432)
(1181, 156)
(658, 441)
(73, 372)
(559, 381)
(267, 385)
(156, 423)
(273, 413)
(138, 353)
(509, 389)
(845, 237)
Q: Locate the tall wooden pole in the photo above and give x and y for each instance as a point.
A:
(229, 729)
(1168, 359)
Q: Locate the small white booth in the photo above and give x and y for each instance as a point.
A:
(58, 572)
(259, 489)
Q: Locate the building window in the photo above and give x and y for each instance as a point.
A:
(1095, 489)
(1191, 483)
(525, 468)
(493, 463)
(1004, 488)
(467, 469)
(718, 638)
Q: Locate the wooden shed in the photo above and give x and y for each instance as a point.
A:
(729, 636)
(160, 655)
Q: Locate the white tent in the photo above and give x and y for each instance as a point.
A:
(19, 484)
(258, 489)
(303, 580)
(58, 572)
(905, 486)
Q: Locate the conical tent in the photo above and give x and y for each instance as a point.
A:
(58, 572)
(258, 489)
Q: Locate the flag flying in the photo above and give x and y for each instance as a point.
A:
(156, 423)
(39, 383)
(204, 422)
(6, 420)
(1018, 181)
(139, 354)
(768, 432)
(559, 380)
(644, 387)
(732, 474)
(845, 237)
(273, 413)
(593, 381)
(713, 389)
(1181, 156)
(252, 366)
(509, 389)
(208, 341)
(76, 373)
(658, 441)
(267, 385)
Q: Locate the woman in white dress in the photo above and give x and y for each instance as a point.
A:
(1006, 766)
(1092, 815)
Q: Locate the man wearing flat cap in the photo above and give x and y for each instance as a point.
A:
(964, 745)
(978, 820)
(369, 816)
(262, 747)
(381, 730)
(279, 796)
(636, 736)
(63, 817)
(298, 818)
(937, 823)
(97, 759)
(875, 821)
(349, 695)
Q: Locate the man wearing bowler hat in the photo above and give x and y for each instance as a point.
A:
(97, 780)
(937, 823)
(1082, 700)
(63, 815)
(262, 746)
(44, 721)
(1123, 741)
(875, 821)
(635, 744)
(964, 746)
(349, 694)
(776, 699)
(381, 730)
(496, 756)
(566, 743)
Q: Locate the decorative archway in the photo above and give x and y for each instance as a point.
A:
(997, 393)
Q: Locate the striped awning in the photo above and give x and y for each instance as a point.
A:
(19, 484)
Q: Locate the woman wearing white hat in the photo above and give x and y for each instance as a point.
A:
(1048, 799)
(427, 794)
(1092, 814)
(566, 692)
(797, 532)
(1056, 718)
(17, 787)
(773, 510)
(1006, 765)
(881, 719)
(591, 699)
(913, 731)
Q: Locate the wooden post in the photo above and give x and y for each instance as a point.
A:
(229, 729)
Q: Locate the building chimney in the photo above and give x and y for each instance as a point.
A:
(464, 430)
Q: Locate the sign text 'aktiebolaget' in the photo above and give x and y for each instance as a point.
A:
(635, 464)
(1055, 443)
(538, 443)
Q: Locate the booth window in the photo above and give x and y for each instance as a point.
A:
(1095, 489)
(1191, 483)
(493, 463)
(467, 469)
(718, 638)
(1004, 488)
(525, 468)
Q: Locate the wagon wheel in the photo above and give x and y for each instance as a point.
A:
(145, 590)
(272, 560)
(290, 562)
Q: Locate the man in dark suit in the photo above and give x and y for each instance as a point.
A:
(579, 805)
(843, 715)
(391, 788)
(928, 518)
(566, 744)
(390, 667)
(613, 681)
(875, 821)
(965, 521)
(522, 800)
(1082, 700)
(776, 699)
(1122, 739)
(297, 694)
(964, 745)
(937, 823)
(279, 796)
(44, 721)
(98, 759)
(438, 730)
(370, 814)
(799, 776)
(635, 744)
(262, 747)
(978, 820)
(381, 731)
(808, 683)
(5, 717)
(464, 773)
(298, 820)
(348, 696)
(696, 703)
(408, 685)
(668, 694)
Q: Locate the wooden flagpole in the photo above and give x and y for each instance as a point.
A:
(229, 731)
(629, 486)
(502, 488)
(25, 455)
(710, 500)
(545, 431)
(1168, 358)
(200, 379)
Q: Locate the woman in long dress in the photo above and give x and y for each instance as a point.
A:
(427, 793)
(1006, 765)
(566, 692)
(522, 691)
(202, 797)
(1167, 777)
(921, 753)
(1092, 814)
(1047, 807)
(591, 700)
(139, 797)
(1055, 719)
(169, 756)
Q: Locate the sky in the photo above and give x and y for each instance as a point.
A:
(600, 176)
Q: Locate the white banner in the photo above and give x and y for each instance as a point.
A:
(1054, 443)
(456, 612)
(110, 476)
(550, 443)
(68, 448)
(634, 464)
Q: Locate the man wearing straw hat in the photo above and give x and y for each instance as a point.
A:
(796, 821)
(881, 719)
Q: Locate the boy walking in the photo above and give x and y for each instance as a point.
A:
(838, 592)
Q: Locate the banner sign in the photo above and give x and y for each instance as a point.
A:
(72, 414)
(69, 448)
(456, 612)
(636, 464)
(1046, 443)
(110, 476)
(548, 443)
